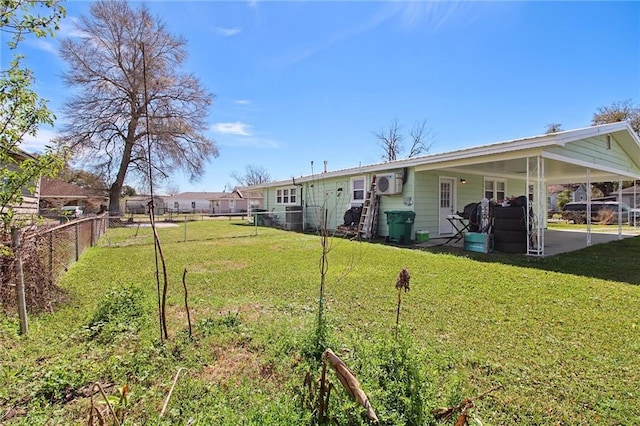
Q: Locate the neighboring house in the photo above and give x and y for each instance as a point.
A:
(438, 185)
(29, 205)
(191, 202)
(630, 196)
(139, 204)
(552, 198)
(240, 200)
(56, 193)
(580, 192)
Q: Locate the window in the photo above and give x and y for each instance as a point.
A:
(176, 205)
(193, 204)
(495, 189)
(286, 196)
(357, 189)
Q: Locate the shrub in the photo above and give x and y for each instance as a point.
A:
(393, 375)
(119, 312)
(61, 384)
(606, 216)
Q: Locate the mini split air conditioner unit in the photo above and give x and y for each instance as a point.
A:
(389, 184)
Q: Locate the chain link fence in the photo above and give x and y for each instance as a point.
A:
(47, 251)
(45, 254)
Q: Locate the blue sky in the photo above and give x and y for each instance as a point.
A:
(297, 82)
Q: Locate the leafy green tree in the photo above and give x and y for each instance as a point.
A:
(616, 112)
(21, 110)
(563, 198)
(128, 191)
(84, 179)
(619, 111)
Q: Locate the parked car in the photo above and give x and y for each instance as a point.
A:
(601, 211)
(72, 212)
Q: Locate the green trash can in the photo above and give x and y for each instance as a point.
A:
(400, 224)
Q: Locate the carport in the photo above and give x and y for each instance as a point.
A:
(609, 152)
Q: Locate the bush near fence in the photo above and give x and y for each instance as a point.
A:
(46, 252)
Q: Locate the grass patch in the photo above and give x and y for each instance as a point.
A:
(560, 334)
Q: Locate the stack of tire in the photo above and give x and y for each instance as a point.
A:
(510, 229)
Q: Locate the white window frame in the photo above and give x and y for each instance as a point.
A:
(354, 199)
(287, 196)
(494, 189)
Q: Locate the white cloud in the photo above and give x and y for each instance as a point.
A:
(237, 128)
(437, 14)
(242, 102)
(45, 46)
(68, 28)
(383, 15)
(38, 143)
(227, 32)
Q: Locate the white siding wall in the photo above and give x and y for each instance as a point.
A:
(185, 205)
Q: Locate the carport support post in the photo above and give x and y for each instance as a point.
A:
(536, 202)
(588, 207)
(22, 304)
(635, 202)
(620, 208)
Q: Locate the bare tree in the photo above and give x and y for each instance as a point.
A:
(421, 139)
(172, 189)
(553, 128)
(132, 110)
(253, 175)
(390, 140)
(619, 111)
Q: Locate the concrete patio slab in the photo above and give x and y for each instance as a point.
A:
(555, 241)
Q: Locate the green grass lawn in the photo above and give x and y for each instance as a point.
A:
(560, 334)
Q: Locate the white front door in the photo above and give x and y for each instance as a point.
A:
(232, 206)
(447, 205)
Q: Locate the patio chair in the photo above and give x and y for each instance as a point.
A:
(471, 213)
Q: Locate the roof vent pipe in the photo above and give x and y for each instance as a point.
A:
(325, 166)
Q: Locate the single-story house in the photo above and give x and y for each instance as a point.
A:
(239, 200)
(630, 195)
(56, 193)
(139, 204)
(29, 205)
(578, 193)
(436, 186)
(191, 202)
